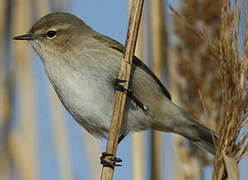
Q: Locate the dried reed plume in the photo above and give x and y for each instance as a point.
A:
(200, 89)
(198, 86)
(216, 87)
(233, 67)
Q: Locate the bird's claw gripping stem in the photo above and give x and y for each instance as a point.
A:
(107, 163)
(129, 93)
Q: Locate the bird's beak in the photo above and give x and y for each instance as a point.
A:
(27, 37)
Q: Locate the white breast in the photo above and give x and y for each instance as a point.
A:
(86, 89)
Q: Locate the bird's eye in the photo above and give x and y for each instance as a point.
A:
(51, 34)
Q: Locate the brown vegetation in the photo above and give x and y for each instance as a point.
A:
(213, 74)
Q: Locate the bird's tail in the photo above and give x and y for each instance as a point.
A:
(200, 135)
(186, 126)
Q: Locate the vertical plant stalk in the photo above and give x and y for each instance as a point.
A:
(61, 5)
(125, 72)
(92, 149)
(137, 138)
(158, 46)
(42, 7)
(18, 150)
(25, 95)
(6, 94)
(4, 101)
(2, 65)
(137, 155)
(60, 138)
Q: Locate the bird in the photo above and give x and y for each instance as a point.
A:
(83, 65)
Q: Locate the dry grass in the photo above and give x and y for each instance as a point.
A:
(199, 89)
(194, 83)
(158, 55)
(6, 86)
(137, 138)
(233, 67)
(197, 86)
(216, 87)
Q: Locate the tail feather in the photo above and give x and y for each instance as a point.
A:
(177, 121)
(199, 134)
(203, 137)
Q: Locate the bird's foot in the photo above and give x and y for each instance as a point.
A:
(129, 93)
(120, 87)
(109, 162)
(121, 138)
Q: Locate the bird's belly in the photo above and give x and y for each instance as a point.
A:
(89, 103)
(89, 97)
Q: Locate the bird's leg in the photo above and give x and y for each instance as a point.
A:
(129, 93)
(115, 160)
(107, 163)
(121, 138)
(104, 162)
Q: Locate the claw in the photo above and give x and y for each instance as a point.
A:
(106, 163)
(129, 94)
(120, 81)
(121, 138)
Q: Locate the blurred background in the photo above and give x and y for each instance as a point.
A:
(40, 140)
